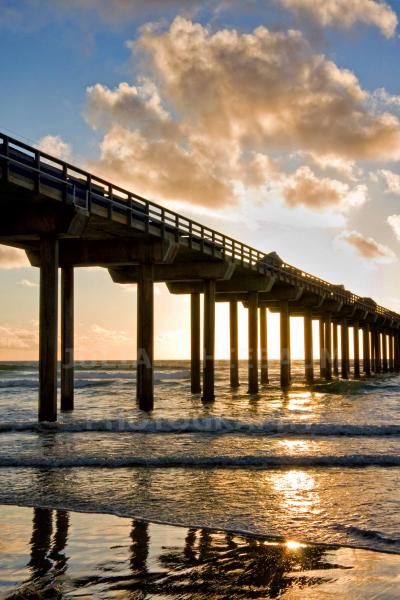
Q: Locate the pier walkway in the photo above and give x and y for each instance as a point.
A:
(64, 217)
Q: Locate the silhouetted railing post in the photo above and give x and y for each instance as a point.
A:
(345, 349)
(285, 344)
(195, 354)
(145, 337)
(264, 344)
(209, 341)
(48, 323)
(234, 345)
(356, 343)
(67, 338)
(308, 346)
(366, 351)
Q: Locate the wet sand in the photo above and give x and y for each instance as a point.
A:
(58, 554)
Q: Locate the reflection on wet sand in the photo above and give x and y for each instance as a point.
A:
(207, 564)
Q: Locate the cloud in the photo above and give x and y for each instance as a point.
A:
(12, 258)
(55, 146)
(111, 335)
(346, 13)
(210, 109)
(391, 179)
(367, 247)
(27, 283)
(305, 188)
(394, 222)
(18, 338)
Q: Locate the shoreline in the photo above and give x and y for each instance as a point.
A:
(281, 539)
(53, 553)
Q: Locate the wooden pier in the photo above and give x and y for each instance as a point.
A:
(66, 218)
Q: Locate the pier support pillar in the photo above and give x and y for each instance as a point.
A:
(253, 342)
(356, 343)
(48, 321)
(195, 350)
(209, 341)
(384, 353)
(377, 351)
(322, 353)
(264, 344)
(345, 349)
(396, 343)
(234, 345)
(328, 347)
(67, 338)
(335, 350)
(366, 352)
(145, 337)
(285, 344)
(391, 355)
(308, 346)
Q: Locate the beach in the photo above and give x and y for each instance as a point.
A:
(60, 554)
(277, 495)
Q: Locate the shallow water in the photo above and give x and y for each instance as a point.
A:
(59, 554)
(316, 465)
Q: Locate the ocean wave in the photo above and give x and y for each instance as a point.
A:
(180, 461)
(369, 534)
(207, 425)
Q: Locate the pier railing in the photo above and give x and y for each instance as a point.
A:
(85, 189)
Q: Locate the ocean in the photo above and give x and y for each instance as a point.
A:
(319, 465)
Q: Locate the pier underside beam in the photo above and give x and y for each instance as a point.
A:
(145, 338)
(356, 329)
(285, 344)
(67, 338)
(195, 355)
(234, 344)
(308, 346)
(253, 342)
(366, 351)
(48, 321)
(264, 344)
(209, 341)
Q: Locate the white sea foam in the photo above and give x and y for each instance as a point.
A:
(209, 425)
(277, 461)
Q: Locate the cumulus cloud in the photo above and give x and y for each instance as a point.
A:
(110, 335)
(12, 258)
(391, 180)
(54, 145)
(367, 247)
(18, 338)
(394, 222)
(211, 108)
(346, 13)
(305, 188)
(28, 283)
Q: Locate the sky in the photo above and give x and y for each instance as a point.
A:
(274, 121)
